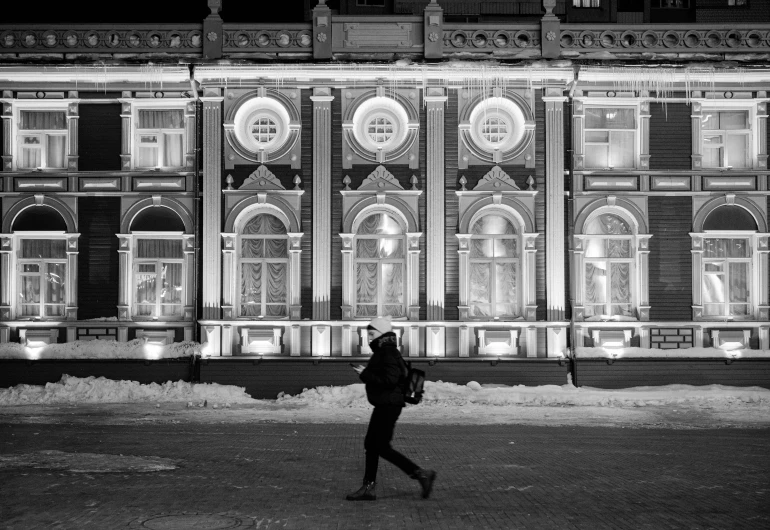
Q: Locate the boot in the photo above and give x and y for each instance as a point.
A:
(426, 478)
(365, 493)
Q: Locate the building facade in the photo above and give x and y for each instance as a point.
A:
(507, 188)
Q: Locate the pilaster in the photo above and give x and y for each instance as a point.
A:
(697, 145)
(6, 275)
(71, 296)
(212, 204)
(554, 204)
(322, 200)
(295, 302)
(73, 117)
(124, 281)
(228, 276)
(435, 189)
(7, 147)
(125, 123)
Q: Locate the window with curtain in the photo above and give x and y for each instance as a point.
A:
(264, 268)
(608, 267)
(726, 138)
(42, 266)
(160, 139)
(380, 267)
(158, 278)
(494, 268)
(610, 137)
(586, 3)
(726, 277)
(42, 139)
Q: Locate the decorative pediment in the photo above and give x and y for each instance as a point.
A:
(261, 179)
(380, 180)
(496, 180)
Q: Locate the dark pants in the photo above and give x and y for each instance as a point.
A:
(377, 442)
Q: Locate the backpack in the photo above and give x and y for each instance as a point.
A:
(413, 383)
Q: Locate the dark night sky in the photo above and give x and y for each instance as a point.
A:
(89, 11)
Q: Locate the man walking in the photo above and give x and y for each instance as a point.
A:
(383, 376)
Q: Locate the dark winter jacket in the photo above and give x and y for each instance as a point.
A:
(384, 373)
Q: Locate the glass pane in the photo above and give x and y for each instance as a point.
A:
(619, 248)
(713, 288)
(363, 310)
(394, 311)
(276, 248)
(391, 248)
(737, 150)
(30, 267)
(481, 310)
(379, 223)
(608, 224)
(171, 310)
(493, 225)
(56, 153)
(505, 248)
(161, 119)
(712, 157)
(56, 281)
(173, 151)
(277, 283)
(505, 283)
(252, 248)
(393, 283)
(479, 283)
(171, 291)
(251, 289)
(726, 248)
(33, 120)
(622, 149)
(610, 118)
(740, 310)
(596, 248)
(739, 282)
(710, 122)
(597, 156)
(148, 139)
(30, 140)
(506, 310)
(159, 248)
(146, 156)
(733, 120)
(366, 248)
(712, 140)
(366, 283)
(31, 158)
(146, 281)
(596, 283)
(713, 310)
(264, 224)
(43, 248)
(598, 137)
(30, 290)
(620, 283)
(276, 311)
(482, 248)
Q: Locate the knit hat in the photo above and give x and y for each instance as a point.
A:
(380, 325)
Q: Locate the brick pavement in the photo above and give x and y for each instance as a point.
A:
(270, 475)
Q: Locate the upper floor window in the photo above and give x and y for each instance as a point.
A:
(608, 267)
(726, 138)
(737, 3)
(494, 268)
(160, 138)
(42, 139)
(610, 137)
(371, 3)
(586, 3)
(674, 4)
(380, 267)
(264, 268)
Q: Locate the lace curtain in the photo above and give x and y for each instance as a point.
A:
(726, 277)
(33, 120)
(264, 268)
(161, 119)
(42, 281)
(608, 267)
(493, 268)
(159, 284)
(379, 267)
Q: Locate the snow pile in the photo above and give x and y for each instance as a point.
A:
(101, 390)
(681, 353)
(440, 394)
(101, 349)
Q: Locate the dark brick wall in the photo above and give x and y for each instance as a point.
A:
(716, 11)
(452, 204)
(306, 272)
(98, 222)
(99, 137)
(338, 173)
(539, 173)
(670, 136)
(670, 276)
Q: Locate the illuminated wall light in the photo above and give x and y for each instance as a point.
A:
(153, 351)
(33, 353)
(321, 341)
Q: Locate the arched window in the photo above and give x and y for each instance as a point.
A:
(727, 262)
(494, 268)
(380, 267)
(264, 267)
(158, 264)
(608, 267)
(41, 263)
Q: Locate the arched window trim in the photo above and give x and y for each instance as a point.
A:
(639, 246)
(759, 243)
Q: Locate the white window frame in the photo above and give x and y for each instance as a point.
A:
(380, 262)
(608, 262)
(47, 106)
(239, 269)
(43, 262)
(159, 132)
(711, 106)
(517, 261)
(593, 103)
(137, 262)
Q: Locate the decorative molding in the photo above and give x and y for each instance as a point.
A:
(261, 179)
(380, 180)
(496, 180)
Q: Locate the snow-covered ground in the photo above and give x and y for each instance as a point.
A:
(101, 399)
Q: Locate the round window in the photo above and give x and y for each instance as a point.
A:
(264, 130)
(380, 130)
(496, 124)
(495, 130)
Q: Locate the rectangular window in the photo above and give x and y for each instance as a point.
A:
(726, 278)
(42, 278)
(42, 140)
(158, 278)
(726, 138)
(608, 277)
(673, 4)
(160, 139)
(610, 137)
(737, 3)
(371, 3)
(586, 3)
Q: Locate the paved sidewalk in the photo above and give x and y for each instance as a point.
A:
(270, 475)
